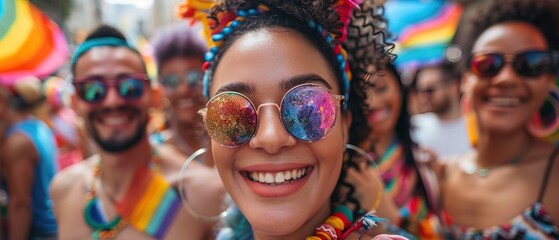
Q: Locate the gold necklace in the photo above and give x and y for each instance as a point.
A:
(471, 168)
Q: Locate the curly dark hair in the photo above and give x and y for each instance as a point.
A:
(365, 45)
(292, 14)
(542, 14)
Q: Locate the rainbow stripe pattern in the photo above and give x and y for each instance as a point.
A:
(31, 43)
(400, 183)
(424, 32)
(150, 204)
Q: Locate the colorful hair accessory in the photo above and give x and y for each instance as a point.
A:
(220, 34)
(198, 10)
(344, 9)
(341, 56)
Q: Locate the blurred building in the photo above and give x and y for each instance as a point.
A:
(137, 19)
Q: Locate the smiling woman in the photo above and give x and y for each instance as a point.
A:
(510, 71)
(277, 79)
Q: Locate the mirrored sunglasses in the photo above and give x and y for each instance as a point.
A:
(192, 78)
(527, 64)
(94, 89)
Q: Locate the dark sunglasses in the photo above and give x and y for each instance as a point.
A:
(527, 64)
(94, 89)
(191, 78)
(308, 112)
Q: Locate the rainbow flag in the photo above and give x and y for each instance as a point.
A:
(31, 44)
(422, 30)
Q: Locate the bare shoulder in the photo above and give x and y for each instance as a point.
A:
(18, 146)
(70, 177)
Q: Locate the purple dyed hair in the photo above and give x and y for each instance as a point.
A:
(179, 40)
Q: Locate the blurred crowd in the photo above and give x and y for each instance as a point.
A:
(462, 147)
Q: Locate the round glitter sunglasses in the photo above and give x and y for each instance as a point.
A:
(308, 112)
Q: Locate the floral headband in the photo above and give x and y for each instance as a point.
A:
(198, 10)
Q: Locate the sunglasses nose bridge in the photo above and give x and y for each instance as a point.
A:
(508, 58)
(508, 73)
(112, 96)
(270, 135)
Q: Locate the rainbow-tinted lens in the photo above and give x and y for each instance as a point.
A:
(192, 78)
(308, 112)
(93, 91)
(230, 119)
(486, 65)
(131, 88)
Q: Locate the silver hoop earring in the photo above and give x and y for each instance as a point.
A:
(182, 192)
(370, 162)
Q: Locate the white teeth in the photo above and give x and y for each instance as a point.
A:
(269, 178)
(504, 102)
(278, 177)
(114, 120)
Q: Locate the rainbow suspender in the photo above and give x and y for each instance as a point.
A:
(150, 204)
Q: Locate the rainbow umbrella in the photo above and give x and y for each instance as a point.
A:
(31, 44)
(422, 29)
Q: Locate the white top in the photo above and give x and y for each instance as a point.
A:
(446, 138)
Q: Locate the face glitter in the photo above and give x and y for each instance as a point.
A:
(308, 112)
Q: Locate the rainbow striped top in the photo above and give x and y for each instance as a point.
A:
(400, 183)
